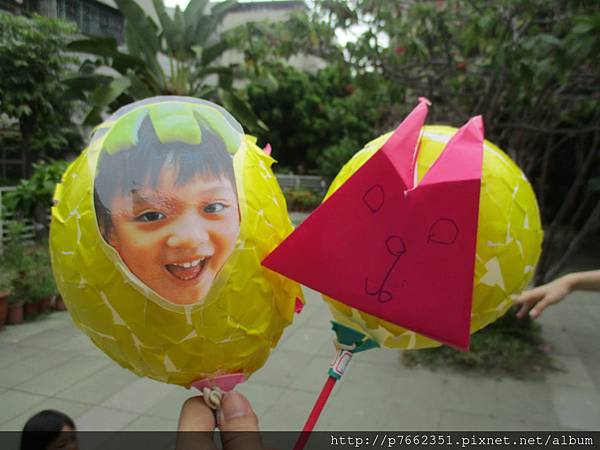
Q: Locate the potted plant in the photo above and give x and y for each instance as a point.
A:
(31, 308)
(15, 299)
(14, 314)
(20, 296)
(44, 289)
(5, 285)
(15, 264)
(34, 282)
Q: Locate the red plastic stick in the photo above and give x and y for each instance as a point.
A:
(315, 413)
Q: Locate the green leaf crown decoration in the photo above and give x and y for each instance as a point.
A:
(176, 120)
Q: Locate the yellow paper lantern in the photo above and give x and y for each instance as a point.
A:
(508, 240)
(143, 294)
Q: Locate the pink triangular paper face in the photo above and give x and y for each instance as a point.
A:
(404, 255)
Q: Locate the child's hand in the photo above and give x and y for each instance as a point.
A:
(236, 420)
(538, 299)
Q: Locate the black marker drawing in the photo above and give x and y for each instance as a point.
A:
(374, 198)
(443, 231)
(395, 247)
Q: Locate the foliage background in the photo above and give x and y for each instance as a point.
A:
(176, 56)
(316, 121)
(35, 103)
(529, 67)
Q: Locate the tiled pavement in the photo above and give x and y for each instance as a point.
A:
(50, 364)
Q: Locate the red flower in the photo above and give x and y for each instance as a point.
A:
(461, 65)
(349, 88)
(400, 50)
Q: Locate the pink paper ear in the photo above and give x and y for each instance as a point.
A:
(462, 157)
(401, 148)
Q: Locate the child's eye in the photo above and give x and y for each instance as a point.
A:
(214, 207)
(150, 216)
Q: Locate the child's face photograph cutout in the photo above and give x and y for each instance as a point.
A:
(176, 238)
(171, 212)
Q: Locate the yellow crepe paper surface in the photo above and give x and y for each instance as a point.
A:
(241, 318)
(508, 240)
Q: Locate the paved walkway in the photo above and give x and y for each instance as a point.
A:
(50, 364)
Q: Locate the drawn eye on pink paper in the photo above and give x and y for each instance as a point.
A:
(374, 198)
(443, 231)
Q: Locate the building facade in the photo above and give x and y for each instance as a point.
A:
(95, 18)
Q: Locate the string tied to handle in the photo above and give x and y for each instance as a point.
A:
(212, 397)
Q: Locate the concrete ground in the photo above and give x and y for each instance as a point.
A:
(50, 364)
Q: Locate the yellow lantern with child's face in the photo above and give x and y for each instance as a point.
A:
(157, 234)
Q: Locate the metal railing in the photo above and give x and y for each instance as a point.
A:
(302, 182)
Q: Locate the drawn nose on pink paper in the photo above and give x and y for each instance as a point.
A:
(402, 252)
(396, 248)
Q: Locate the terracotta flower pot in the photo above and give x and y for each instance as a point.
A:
(59, 304)
(3, 308)
(31, 310)
(15, 314)
(44, 305)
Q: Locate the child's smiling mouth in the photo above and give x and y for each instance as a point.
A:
(188, 270)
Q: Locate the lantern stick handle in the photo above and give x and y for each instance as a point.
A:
(336, 370)
(315, 413)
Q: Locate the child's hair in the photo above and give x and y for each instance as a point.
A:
(43, 428)
(131, 169)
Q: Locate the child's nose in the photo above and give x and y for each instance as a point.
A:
(189, 231)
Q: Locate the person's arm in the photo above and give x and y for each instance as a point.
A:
(585, 281)
(538, 299)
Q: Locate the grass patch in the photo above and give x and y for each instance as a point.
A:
(509, 346)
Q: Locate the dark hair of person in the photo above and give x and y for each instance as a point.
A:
(43, 428)
(132, 169)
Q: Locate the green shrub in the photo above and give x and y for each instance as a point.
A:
(38, 279)
(303, 201)
(309, 114)
(25, 263)
(6, 280)
(33, 197)
(335, 156)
